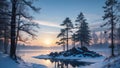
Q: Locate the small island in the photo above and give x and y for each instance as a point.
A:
(75, 53)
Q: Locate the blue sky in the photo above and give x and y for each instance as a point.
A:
(53, 12)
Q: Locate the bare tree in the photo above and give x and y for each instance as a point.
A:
(15, 8)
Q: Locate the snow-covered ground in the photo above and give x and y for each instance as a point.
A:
(113, 62)
(106, 63)
(7, 62)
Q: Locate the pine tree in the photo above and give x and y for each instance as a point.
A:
(62, 40)
(68, 26)
(110, 17)
(83, 32)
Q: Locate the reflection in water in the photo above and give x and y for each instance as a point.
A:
(66, 63)
(27, 56)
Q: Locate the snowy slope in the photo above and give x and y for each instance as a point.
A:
(7, 62)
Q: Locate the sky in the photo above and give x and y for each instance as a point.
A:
(54, 12)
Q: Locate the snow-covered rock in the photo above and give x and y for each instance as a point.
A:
(74, 53)
(81, 52)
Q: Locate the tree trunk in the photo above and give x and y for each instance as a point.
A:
(81, 43)
(13, 31)
(67, 40)
(63, 43)
(63, 47)
(112, 38)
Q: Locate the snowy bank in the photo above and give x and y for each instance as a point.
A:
(7, 62)
(113, 62)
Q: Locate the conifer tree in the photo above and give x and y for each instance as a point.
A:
(110, 16)
(68, 26)
(83, 32)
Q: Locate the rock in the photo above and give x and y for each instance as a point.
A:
(53, 54)
(84, 48)
(81, 52)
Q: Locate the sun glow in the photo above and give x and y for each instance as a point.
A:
(45, 41)
(48, 42)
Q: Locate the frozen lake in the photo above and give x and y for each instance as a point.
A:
(27, 56)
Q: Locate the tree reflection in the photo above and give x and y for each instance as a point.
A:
(67, 63)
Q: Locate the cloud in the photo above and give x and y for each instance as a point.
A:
(50, 32)
(45, 23)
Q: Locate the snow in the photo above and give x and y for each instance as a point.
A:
(113, 62)
(99, 62)
(7, 62)
(108, 63)
(78, 57)
(74, 53)
(96, 65)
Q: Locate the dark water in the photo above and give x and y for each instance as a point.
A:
(69, 63)
(27, 55)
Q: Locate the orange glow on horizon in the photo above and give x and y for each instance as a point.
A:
(47, 41)
(43, 41)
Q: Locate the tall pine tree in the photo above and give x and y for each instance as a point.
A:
(110, 16)
(83, 32)
(68, 26)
